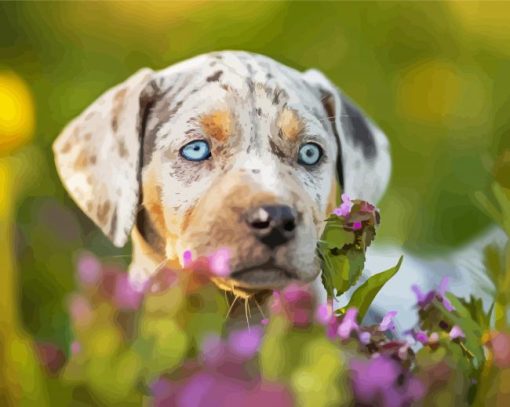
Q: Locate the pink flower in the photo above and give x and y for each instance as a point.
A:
(357, 226)
(126, 296)
(422, 337)
(365, 337)
(324, 314)
(219, 262)
(75, 347)
(500, 346)
(89, 269)
(424, 299)
(456, 333)
(441, 291)
(345, 208)
(348, 324)
(387, 322)
(187, 258)
(245, 343)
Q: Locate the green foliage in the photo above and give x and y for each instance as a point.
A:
(364, 295)
(343, 245)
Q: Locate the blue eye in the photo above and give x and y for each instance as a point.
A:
(197, 150)
(309, 154)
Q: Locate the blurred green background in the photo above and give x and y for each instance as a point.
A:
(433, 75)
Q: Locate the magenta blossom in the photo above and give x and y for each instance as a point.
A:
(387, 322)
(441, 291)
(422, 337)
(75, 347)
(324, 314)
(456, 333)
(187, 258)
(364, 338)
(381, 381)
(345, 208)
(126, 295)
(296, 302)
(245, 343)
(348, 324)
(89, 269)
(357, 226)
(424, 299)
(219, 262)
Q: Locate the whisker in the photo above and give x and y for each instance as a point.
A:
(159, 267)
(231, 307)
(259, 307)
(246, 312)
(116, 256)
(249, 308)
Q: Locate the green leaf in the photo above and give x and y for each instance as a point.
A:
(366, 292)
(502, 195)
(342, 248)
(472, 330)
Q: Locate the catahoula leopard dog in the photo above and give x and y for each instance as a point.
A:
(227, 149)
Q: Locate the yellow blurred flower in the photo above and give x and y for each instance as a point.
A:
(16, 112)
(433, 91)
(428, 91)
(487, 19)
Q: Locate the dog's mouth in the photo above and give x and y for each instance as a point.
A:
(256, 278)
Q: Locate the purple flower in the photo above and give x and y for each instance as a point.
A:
(345, 208)
(433, 338)
(357, 226)
(387, 322)
(499, 344)
(425, 299)
(219, 262)
(195, 391)
(421, 298)
(381, 381)
(296, 302)
(51, 357)
(441, 291)
(75, 347)
(364, 338)
(366, 207)
(245, 343)
(348, 324)
(81, 311)
(125, 295)
(324, 314)
(213, 350)
(422, 337)
(456, 333)
(187, 258)
(89, 269)
(161, 388)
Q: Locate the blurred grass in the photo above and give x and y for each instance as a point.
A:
(434, 75)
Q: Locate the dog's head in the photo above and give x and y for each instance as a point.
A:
(227, 149)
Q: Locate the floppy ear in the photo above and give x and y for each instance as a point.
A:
(97, 155)
(364, 162)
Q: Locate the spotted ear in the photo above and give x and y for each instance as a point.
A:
(97, 155)
(364, 161)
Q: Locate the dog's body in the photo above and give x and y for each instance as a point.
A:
(132, 162)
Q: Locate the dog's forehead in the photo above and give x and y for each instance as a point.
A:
(230, 88)
(209, 78)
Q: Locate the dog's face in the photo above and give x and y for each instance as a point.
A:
(225, 150)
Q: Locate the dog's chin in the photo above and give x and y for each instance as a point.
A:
(248, 281)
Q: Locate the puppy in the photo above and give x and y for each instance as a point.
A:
(227, 149)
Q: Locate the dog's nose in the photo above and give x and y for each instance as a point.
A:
(273, 225)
